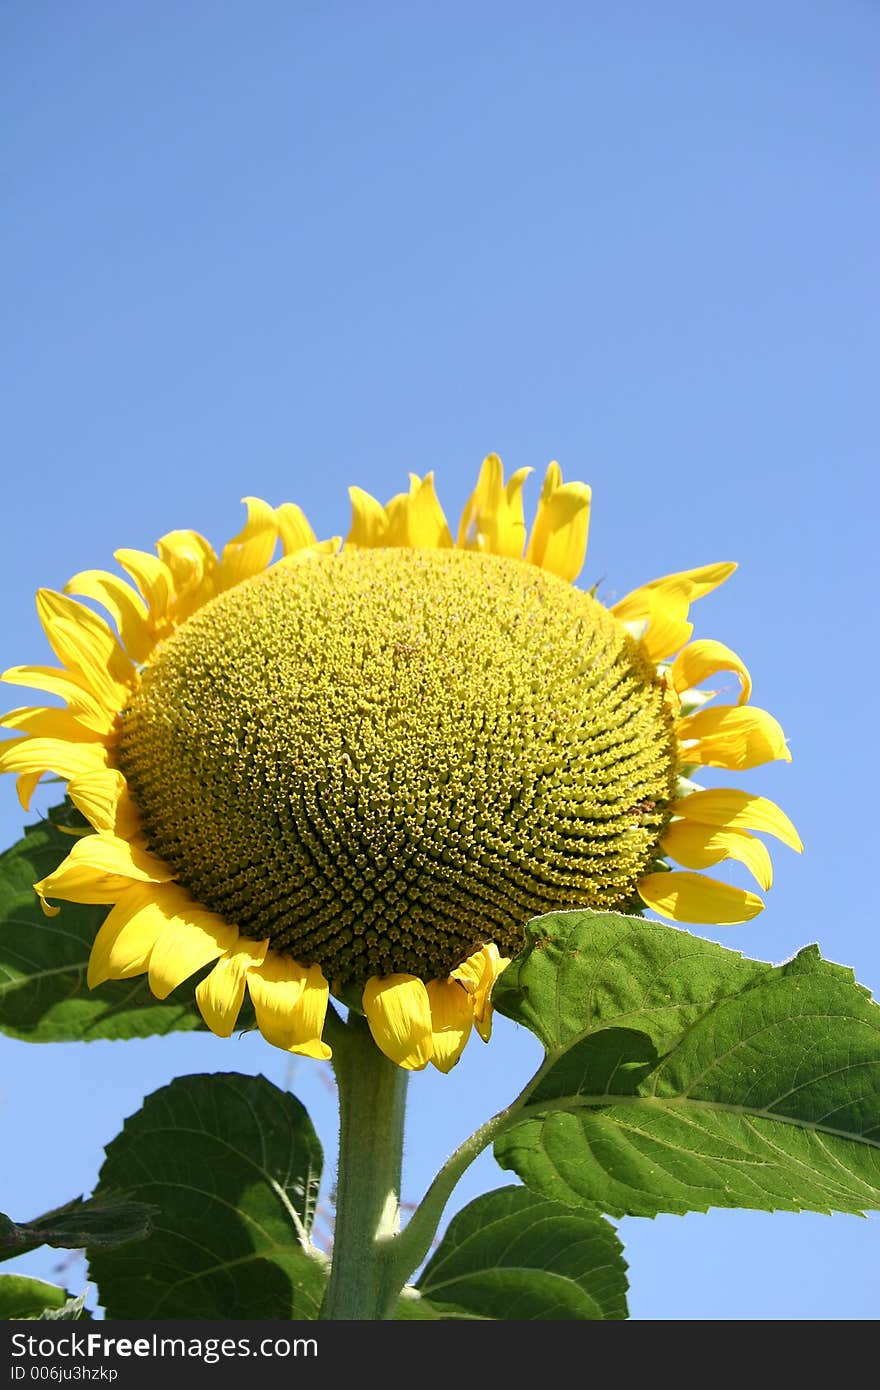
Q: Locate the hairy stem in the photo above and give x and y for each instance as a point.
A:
(372, 1100)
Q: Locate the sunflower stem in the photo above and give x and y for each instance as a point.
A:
(372, 1102)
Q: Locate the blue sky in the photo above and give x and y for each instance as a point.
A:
(283, 248)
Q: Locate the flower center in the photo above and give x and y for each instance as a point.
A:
(382, 759)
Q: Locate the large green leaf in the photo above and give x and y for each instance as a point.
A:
(513, 1256)
(679, 1076)
(24, 1297)
(233, 1164)
(43, 960)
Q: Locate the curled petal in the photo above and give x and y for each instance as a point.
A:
(251, 550)
(290, 1002)
(427, 525)
(102, 797)
(493, 520)
(667, 627)
(369, 523)
(694, 898)
(194, 569)
(478, 975)
(34, 756)
(510, 532)
(293, 528)
(738, 810)
(153, 578)
(397, 516)
(188, 556)
(704, 658)
(99, 868)
(452, 1017)
(732, 737)
(558, 542)
(25, 786)
(398, 1011)
(221, 994)
(700, 846)
(695, 583)
(123, 603)
(478, 519)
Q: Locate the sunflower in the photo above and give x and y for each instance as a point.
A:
(361, 769)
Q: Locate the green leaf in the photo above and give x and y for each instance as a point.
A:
(43, 960)
(512, 1256)
(24, 1297)
(108, 1220)
(74, 1310)
(680, 1076)
(412, 1307)
(233, 1164)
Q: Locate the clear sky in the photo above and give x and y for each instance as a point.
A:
(285, 247)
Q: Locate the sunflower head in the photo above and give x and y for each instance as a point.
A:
(364, 768)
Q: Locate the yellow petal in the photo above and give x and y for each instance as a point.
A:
(71, 688)
(480, 511)
(49, 722)
(102, 797)
(558, 542)
(191, 938)
(293, 528)
(696, 583)
(704, 658)
(310, 553)
(704, 579)
(732, 737)
(552, 482)
(99, 868)
(694, 898)
(84, 643)
(492, 520)
(290, 1002)
(251, 550)
(398, 1011)
(221, 994)
(153, 578)
(39, 755)
(510, 537)
(188, 556)
(108, 854)
(427, 526)
(127, 936)
(397, 516)
(700, 846)
(194, 568)
(452, 1017)
(123, 603)
(330, 546)
(478, 975)
(25, 786)
(668, 627)
(738, 810)
(368, 520)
